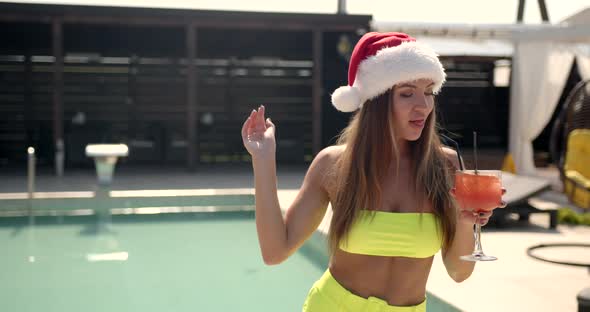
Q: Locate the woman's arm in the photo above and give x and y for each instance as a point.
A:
(462, 244)
(463, 241)
(279, 237)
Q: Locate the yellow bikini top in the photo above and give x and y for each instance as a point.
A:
(413, 235)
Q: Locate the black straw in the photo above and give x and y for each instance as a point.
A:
(456, 148)
(475, 149)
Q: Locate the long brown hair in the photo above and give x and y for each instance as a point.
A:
(370, 145)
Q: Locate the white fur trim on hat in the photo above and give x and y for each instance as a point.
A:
(346, 99)
(407, 62)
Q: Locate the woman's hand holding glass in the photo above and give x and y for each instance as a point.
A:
(478, 193)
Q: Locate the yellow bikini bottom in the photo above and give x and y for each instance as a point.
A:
(327, 295)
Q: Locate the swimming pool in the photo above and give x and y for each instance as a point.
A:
(188, 261)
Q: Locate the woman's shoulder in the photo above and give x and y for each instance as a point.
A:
(327, 158)
(451, 156)
(332, 151)
(326, 164)
(329, 155)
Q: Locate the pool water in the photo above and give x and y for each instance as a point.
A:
(175, 262)
(199, 261)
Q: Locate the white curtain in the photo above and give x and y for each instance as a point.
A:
(583, 61)
(539, 73)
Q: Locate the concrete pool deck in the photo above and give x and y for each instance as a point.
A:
(516, 282)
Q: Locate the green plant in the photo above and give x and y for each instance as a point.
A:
(569, 216)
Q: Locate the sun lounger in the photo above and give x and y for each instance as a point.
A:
(520, 196)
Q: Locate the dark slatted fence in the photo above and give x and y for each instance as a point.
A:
(470, 102)
(13, 132)
(142, 102)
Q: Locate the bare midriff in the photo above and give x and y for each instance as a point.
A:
(397, 280)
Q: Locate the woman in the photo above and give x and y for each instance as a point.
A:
(388, 180)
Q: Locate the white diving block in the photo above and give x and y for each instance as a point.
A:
(104, 150)
(105, 157)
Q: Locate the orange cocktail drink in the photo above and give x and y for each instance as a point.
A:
(478, 192)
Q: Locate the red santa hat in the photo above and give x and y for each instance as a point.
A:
(381, 60)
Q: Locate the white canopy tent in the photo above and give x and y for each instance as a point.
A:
(541, 64)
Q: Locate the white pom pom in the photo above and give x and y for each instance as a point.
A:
(346, 99)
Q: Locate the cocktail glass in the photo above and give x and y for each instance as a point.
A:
(479, 191)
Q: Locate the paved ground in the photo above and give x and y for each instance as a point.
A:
(516, 282)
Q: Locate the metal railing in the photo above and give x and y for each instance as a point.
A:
(30, 177)
(31, 162)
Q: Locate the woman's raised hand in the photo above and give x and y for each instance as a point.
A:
(258, 135)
